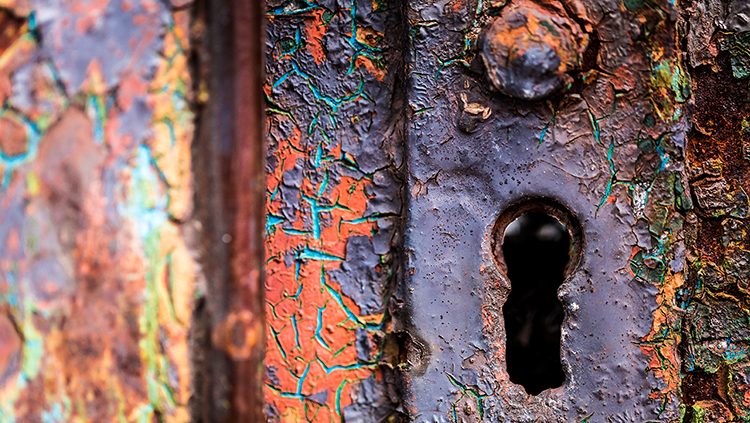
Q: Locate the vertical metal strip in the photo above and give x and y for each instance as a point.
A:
(247, 183)
(231, 210)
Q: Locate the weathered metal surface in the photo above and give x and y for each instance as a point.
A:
(530, 50)
(335, 118)
(715, 384)
(610, 150)
(96, 281)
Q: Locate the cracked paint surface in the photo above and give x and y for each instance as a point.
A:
(611, 151)
(96, 280)
(333, 206)
(648, 148)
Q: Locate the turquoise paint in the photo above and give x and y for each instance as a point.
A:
(296, 333)
(318, 328)
(58, 414)
(612, 175)
(309, 253)
(145, 206)
(96, 111)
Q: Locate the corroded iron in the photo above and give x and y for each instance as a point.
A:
(630, 115)
(610, 151)
(715, 382)
(231, 151)
(530, 50)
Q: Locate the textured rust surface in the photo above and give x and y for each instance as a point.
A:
(639, 124)
(530, 49)
(96, 279)
(714, 384)
(665, 244)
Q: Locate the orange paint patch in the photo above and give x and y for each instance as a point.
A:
(314, 32)
(374, 68)
(84, 24)
(312, 325)
(369, 36)
(10, 348)
(13, 138)
(660, 345)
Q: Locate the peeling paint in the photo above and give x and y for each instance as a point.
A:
(333, 209)
(611, 151)
(98, 281)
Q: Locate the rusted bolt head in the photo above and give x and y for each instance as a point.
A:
(530, 49)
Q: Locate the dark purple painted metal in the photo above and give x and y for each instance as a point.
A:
(473, 154)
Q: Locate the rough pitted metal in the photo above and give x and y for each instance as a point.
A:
(610, 151)
(530, 49)
(715, 383)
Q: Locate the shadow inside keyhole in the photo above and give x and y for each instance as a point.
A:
(536, 249)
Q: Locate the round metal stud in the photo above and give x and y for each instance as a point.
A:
(530, 49)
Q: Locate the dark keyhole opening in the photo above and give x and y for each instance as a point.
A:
(536, 250)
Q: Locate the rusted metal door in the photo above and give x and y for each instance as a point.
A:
(410, 148)
(622, 120)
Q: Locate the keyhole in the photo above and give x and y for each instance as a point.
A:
(535, 250)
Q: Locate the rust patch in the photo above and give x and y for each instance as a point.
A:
(13, 140)
(238, 334)
(721, 105)
(11, 343)
(714, 384)
(11, 28)
(699, 386)
(531, 48)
